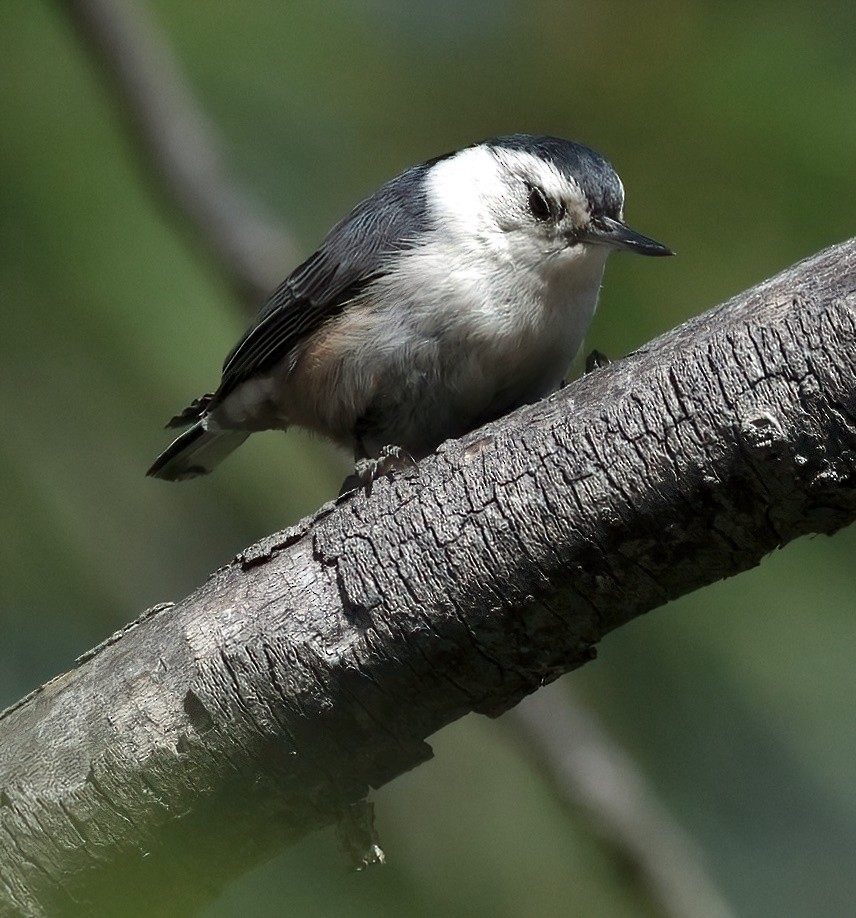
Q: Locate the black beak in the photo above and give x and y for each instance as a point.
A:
(606, 231)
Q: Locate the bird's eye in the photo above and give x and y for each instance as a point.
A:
(539, 204)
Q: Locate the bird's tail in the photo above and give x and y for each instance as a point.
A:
(196, 452)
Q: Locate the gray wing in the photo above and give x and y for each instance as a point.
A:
(351, 256)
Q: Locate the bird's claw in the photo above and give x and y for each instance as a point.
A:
(367, 471)
(597, 360)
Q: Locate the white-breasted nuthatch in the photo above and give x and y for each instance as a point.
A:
(458, 291)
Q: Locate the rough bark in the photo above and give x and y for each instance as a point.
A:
(314, 666)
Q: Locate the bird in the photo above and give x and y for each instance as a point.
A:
(458, 291)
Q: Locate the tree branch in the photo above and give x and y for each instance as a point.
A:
(314, 666)
(179, 147)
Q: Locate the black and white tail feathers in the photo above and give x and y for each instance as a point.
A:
(195, 452)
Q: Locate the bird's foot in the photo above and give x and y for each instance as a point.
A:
(596, 360)
(367, 471)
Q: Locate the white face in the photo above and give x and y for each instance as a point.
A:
(510, 201)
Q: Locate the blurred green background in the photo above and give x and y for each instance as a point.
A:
(733, 126)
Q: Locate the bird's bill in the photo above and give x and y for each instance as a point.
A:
(617, 235)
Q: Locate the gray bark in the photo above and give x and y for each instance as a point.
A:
(315, 665)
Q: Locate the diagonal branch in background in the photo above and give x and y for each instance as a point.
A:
(180, 148)
(315, 665)
(591, 773)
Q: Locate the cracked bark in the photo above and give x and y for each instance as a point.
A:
(314, 666)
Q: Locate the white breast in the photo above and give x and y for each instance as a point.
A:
(479, 318)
